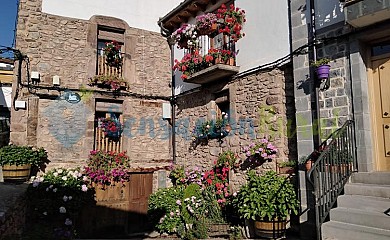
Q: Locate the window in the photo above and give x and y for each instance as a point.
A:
(108, 110)
(107, 34)
(222, 104)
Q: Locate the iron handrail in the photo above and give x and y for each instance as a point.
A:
(331, 171)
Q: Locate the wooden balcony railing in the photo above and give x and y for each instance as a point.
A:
(106, 70)
(104, 143)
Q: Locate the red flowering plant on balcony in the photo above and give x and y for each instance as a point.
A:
(231, 20)
(111, 127)
(112, 51)
(189, 64)
(107, 168)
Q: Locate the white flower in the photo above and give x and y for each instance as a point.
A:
(85, 178)
(62, 210)
(51, 186)
(68, 222)
(60, 171)
(70, 173)
(55, 190)
(234, 194)
(44, 213)
(84, 188)
(65, 198)
(47, 189)
(35, 184)
(55, 174)
(64, 178)
(70, 198)
(223, 113)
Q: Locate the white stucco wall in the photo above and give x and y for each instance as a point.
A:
(142, 14)
(266, 32)
(328, 12)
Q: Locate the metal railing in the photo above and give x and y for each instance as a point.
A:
(331, 171)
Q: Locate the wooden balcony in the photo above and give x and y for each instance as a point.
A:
(105, 70)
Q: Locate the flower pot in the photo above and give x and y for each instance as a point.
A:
(231, 62)
(218, 229)
(16, 172)
(286, 170)
(218, 60)
(323, 71)
(270, 229)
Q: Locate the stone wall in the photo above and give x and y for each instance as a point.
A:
(67, 47)
(335, 102)
(249, 99)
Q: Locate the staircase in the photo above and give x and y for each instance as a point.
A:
(363, 212)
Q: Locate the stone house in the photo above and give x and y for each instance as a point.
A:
(61, 48)
(258, 98)
(354, 35)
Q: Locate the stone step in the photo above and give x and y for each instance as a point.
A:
(360, 217)
(366, 203)
(381, 178)
(334, 230)
(367, 190)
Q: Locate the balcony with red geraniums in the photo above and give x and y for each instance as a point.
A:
(209, 45)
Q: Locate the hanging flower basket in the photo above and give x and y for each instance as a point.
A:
(111, 127)
(323, 71)
(112, 51)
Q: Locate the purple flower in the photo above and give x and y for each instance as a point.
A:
(178, 202)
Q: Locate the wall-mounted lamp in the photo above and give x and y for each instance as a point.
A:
(35, 77)
(56, 80)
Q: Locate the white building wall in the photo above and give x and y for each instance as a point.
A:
(266, 32)
(142, 14)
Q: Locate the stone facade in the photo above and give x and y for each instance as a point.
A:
(67, 48)
(250, 99)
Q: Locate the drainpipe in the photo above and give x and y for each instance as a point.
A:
(166, 33)
(314, 98)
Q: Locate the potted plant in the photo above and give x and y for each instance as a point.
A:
(257, 153)
(108, 168)
(287, 167)
(322, 68)
(186, 36)
(17, 161)
(213, 129)
(231, 20)
(113, 82)
(206, 24)
(112, 51)
(111, 127)
(268, 200)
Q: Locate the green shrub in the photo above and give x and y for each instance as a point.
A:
(266, 197)
(54, 203)
(164, 209)
(19, 155)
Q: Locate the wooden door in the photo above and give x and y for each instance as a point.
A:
(140, 190)
(381, 102)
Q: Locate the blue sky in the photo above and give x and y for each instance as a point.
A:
(7, 21)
